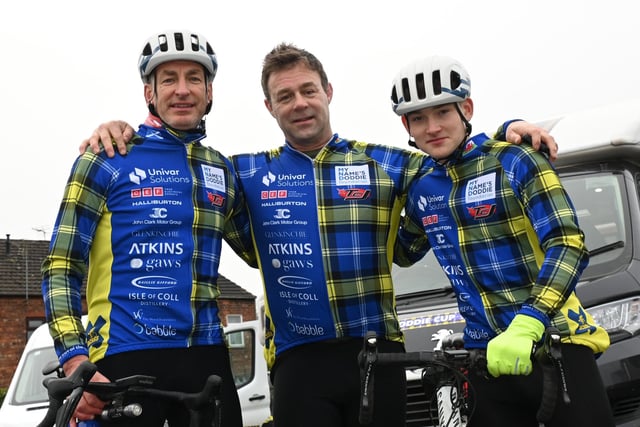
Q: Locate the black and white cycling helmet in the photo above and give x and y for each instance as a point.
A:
(176, 46)
(429, 82)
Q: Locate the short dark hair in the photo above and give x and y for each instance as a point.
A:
(285, 56)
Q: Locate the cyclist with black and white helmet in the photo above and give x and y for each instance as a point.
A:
(506, 233)
(145, 230)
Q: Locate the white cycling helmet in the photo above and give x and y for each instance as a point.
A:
(429, 82)
(176, 46)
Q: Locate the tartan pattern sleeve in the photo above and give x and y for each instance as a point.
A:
(237, 232)
(64, 267)
(537, 233)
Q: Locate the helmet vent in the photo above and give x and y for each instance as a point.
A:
(176, 46)
(162, 43)
(420, 87)
(429, 82)
(179, 41)
(437, 84)
(394, 95)
(406, 91)
(195, 46)
(455, 80)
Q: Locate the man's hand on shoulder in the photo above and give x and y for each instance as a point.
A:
(115, 132)
(518, 130)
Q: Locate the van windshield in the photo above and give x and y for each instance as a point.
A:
(29, 386)
(603, 214)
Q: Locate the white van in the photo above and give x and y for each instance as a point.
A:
(26, 401)
(250, 371)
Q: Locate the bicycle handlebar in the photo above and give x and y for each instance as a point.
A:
(550, 359)
(69, 388)
(60, 410)
(422, 358)
(447, 358)
(549, 356)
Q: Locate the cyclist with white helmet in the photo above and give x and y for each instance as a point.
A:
(145, 230)
(498, 218)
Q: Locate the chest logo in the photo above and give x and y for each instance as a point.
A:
(482, 211)
(354, 193)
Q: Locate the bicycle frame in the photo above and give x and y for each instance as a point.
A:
(452, 406)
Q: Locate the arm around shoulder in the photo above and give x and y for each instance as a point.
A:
(107, 135)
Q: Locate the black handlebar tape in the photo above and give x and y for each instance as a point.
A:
(365, 416)
(416, 358)
(367, 359)
(549, 392)
(208, 398)
(550, 359)
(54, 404)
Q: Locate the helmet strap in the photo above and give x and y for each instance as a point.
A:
(412, 141)
(467, 125)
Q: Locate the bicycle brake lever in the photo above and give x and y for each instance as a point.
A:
(368, 357)
(555, 354)
(77, 381)
(550, 359)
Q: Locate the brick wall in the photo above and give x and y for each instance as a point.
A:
(232, 306)
(13, 332)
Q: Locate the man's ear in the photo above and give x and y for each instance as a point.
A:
(405, 123)
(467, 108)
(329, 92)
(148, 94)
(268, 105)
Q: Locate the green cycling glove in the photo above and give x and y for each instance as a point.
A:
(510, 352)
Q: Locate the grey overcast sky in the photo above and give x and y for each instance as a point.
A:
(69, 65)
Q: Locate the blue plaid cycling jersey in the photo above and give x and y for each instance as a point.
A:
(506, 234)
(324, 229)
(150, 226)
